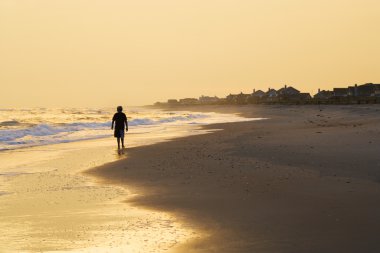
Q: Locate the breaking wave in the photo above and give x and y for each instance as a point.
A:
(51, 133)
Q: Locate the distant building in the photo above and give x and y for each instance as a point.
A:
(208, 100)
(172, 101)
(271, 93)
(367, 90)
(238, 98)
(365, 93)
(353, 91)
(258, 93)
(287, 91)
(290, 94)
(231, 99)
(243, 98)
(340, 92)
(324, 94)
(188, 101)
(256, 97)
(364, 90)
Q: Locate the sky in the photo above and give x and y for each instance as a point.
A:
(69, 53)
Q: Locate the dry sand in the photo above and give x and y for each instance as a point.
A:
(303, 180)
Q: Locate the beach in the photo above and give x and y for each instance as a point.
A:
(306, 179)
(48, 203)
(197, 179)
(189, 126)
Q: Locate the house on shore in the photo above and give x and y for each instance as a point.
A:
(365, 90)
(173, 102)
(290, 94)
(356, 94)
(208, 100)
(340, 92)
(240, 98)
(288, 91)
(365, 93)
(271, 95)
(353, 91)
(258, 93)
(324, 94)
(287, 94)
(231, 99)
(377, 93)
(188, 101)
(257, 96)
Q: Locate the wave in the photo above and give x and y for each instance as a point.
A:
(46, 130)
(148, 121)
(43, 134)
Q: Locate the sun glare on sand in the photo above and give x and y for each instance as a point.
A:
(48, 206)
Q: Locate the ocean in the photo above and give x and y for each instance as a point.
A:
(27, 127)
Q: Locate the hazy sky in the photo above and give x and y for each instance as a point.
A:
(103, 53)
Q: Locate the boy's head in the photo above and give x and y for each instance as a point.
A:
(119, 108)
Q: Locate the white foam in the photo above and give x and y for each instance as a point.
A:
(57, 127)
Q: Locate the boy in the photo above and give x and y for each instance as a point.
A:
(121, 123)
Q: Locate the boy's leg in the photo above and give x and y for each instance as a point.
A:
(122, 142)
(118, 142)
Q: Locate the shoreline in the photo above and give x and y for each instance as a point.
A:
(232, 184)
(52, 205)
(49, 205)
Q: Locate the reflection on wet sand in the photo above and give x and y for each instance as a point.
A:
(48, 205)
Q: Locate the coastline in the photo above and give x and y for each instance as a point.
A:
(303, 181)
(47, 204)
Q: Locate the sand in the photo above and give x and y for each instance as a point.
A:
(304, 180)
(48, 205)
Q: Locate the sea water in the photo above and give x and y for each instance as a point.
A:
(29, 127)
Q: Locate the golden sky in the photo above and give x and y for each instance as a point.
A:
(103, 53)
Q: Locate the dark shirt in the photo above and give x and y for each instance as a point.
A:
(119, 119)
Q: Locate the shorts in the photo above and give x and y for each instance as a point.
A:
(119, 133)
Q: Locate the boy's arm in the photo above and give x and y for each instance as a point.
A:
(126, 124)
(113, 120)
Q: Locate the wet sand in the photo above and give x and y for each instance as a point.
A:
(48, 205)
(303, 180)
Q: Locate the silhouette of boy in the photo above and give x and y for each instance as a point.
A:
(121, 123)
